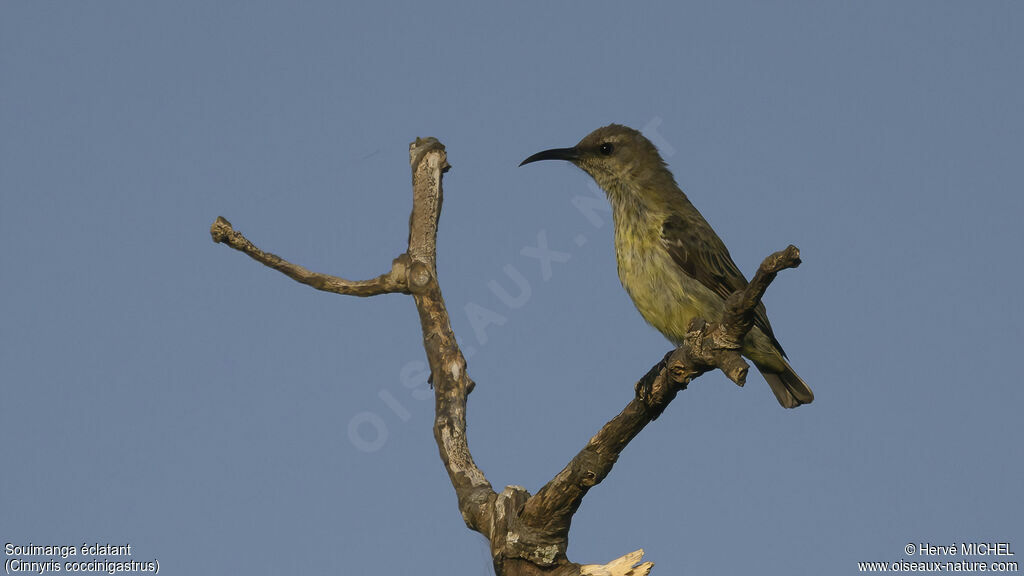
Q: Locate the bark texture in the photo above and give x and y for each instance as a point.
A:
(528, 534)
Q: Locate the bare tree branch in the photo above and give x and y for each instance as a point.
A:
(528, 535)
(451, 383)
(707, 346)
(393, 281)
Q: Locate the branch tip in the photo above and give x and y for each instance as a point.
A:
(420, 148)
(628, 565)
(781, 260)
(220, 229)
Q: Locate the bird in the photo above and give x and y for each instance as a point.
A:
(670, 261)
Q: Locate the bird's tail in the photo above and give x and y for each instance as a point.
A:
(788, 387)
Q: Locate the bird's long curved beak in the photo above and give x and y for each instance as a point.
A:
(570, 154)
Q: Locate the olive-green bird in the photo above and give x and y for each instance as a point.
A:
(671, 262)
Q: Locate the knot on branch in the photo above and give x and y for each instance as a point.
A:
(592, 466)
(419, 276)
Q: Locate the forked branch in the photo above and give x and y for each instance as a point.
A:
(528, 535)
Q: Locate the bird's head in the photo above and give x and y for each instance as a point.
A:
(617, 157)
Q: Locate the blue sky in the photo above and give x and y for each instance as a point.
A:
(170, 393)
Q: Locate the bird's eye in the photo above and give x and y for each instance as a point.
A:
(607, 148)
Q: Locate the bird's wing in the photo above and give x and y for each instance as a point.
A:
(702, 255)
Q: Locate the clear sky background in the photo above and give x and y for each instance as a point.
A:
(164, 391)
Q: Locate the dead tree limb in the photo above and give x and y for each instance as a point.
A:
(528, 535)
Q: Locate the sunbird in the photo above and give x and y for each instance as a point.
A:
(672, 264)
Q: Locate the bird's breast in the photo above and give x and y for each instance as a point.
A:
(664, 295)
